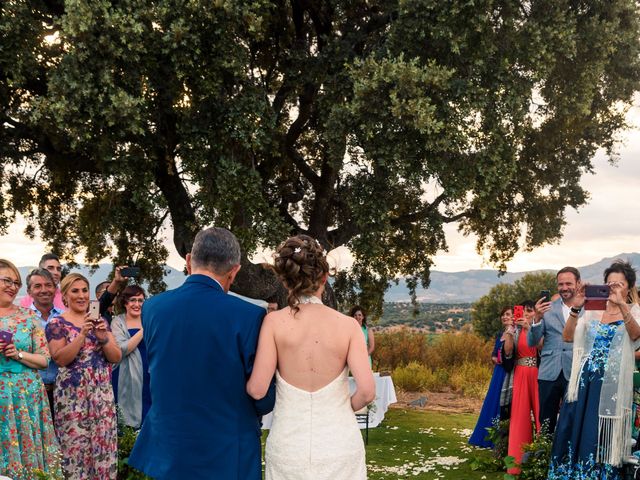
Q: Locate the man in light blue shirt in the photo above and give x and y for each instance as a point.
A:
(42, 289)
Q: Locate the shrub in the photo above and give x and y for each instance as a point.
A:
(413, 377)
(471, 378)
(453, 349)
(399, 347)
(126, 439)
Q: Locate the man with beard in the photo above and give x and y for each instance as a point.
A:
(41, 288)
(556, 354)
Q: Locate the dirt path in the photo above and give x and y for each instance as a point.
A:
(439, 402)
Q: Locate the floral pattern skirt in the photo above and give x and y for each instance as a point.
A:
(27, 436)
(86, 423)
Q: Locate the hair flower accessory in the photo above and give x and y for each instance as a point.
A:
(297, 250)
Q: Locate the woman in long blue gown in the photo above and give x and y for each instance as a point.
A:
(491, 406)
(583, 445)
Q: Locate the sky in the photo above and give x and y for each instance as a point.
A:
(607, 225)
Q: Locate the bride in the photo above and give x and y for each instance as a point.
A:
(310, 348)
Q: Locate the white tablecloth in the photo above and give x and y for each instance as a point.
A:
(385, 396)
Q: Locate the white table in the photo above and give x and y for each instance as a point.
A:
(385, 396)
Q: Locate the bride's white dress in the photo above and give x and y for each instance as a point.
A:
(314, 435)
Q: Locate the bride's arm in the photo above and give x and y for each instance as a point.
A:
(264, 366)
(358, 361)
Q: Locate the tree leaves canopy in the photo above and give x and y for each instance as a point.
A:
(485, 312)
(369, 124)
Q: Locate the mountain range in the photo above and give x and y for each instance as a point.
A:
(446, 287)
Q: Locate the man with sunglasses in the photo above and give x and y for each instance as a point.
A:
(50, 262)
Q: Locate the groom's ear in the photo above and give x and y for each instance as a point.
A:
(188, 259)
(232, 273)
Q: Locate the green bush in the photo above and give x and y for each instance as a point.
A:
(126, 439)
(413, 377)
(471, 378)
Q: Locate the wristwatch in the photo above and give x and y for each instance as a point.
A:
(576, 310)
(20, 356)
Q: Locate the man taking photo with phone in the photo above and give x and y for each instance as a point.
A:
(556, 354)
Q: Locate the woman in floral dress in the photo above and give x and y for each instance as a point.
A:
(594, 428)
(26, 432)
(84, 405)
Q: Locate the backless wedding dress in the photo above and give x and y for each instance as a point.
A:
(314, 435)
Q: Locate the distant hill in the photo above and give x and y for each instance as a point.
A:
(446, 287)
(173, 278)
(461, 287)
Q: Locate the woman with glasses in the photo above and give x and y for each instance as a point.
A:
(27, 437)
(131, 378)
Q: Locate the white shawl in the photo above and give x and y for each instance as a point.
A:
(616, 396)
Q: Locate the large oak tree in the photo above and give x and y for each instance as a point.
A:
(364, 123)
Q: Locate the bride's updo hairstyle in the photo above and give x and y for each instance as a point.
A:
(300, 263)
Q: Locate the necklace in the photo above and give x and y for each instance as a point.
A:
(309, 299)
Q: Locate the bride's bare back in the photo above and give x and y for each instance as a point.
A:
(310, 349)
(312, 346)
(309, 343)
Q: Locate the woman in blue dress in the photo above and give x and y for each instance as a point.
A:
(131, 378)
(491, 407)
(594, 427)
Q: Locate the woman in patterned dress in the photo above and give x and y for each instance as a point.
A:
(27, 436)
(84, 405)
(594, 428)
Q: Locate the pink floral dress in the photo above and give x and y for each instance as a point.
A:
(27, 436)
(84, 408)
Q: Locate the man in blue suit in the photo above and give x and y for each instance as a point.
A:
(201, 345)
(556, 354)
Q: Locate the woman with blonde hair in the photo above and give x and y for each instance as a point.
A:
(27, 437)
(310, 347)
(84, 349)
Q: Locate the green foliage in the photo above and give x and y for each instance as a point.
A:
(537, 456)
(126, 439)
(413, 377)
(369, 125)
(452, 361)
(498, 434)
(485, 313)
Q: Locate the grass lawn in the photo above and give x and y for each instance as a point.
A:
(423, 445)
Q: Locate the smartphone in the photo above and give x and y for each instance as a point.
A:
(546, 294)
(130, 272)
(596, 297)
(518, 312)
(94, 310)
(6, 337)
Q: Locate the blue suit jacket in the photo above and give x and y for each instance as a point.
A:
(556, 354)
(202, 424)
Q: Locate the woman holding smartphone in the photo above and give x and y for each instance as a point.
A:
(27, 438)
(525, 401)
(84, 349)
(593, 435)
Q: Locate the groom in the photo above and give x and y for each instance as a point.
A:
(201, 345)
